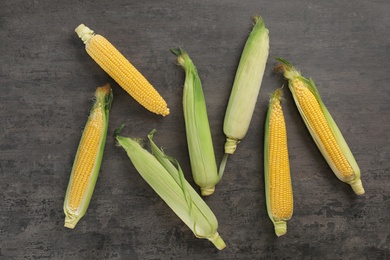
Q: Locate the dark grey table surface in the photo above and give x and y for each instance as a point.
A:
(47, 83)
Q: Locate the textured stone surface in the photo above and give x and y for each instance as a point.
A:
(47, 82)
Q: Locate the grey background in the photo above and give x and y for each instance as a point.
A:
(47, 84)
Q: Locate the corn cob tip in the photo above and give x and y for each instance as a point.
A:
(177, 52)
(182, 57)
(280, 228)
(277, 94)
(279, 68)
(166, 112)
(257, 19)
(357, 187)
(207, 191)
(84, 33)
(217, 240)
(104, 89)
(289, 71)
(231, 145)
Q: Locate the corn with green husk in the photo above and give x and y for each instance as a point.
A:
(246, 86)
(168, 181)
(88, 158)
(200, 144)
(322, 127)
(278, 188)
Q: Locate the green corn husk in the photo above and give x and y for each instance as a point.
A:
(292, 75)
(199, 140)
(102, 105)
(246, 86)
(168, 182)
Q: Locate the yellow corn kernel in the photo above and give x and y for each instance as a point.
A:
(311, 108)
(279, 193)
(88, 159)
(122, 71)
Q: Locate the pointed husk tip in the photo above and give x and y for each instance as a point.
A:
(257, 19)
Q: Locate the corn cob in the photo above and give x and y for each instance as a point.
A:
(246, 86)
(168, 182)
(322, 127)
(122, 71)
(278, 186)
(199, 140)
(88, 159)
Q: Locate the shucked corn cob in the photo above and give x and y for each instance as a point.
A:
(200, 144)
(122, 71)
(88, 159)
(276, 166)
(322, 127)
(169, 183)
(246, 86)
